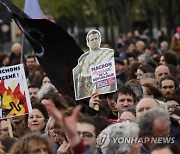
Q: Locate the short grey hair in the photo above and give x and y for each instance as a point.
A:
(149, 75)
(124, 130)
(46, 89)
(146, 120)
(145, 57)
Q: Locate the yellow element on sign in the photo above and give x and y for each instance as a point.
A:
(14, 105)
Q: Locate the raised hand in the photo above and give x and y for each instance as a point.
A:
(68, 124)
(94, 101)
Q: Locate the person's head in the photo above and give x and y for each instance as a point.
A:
(55, 99)
(131, 48)
(38, 71)
(164, 46)
(161, 71)
(133, 70)
(153, 43)
(33, 91)
(38, 118)
(128, 114)
(131, 57)
(165, 149)
(55, 132)
(154, 123)
(101, 122)
(111, 102)
(176, 114)
(87, 131)
(18, 119)
(33, 143)
(162, 60)
(30, 62)
(7, 143)
(148, 78)
(93, 39)
(120, 130)
(4, 127)
(144, 105)
(45, 80)
(144, 59)
(168, 58)
(119, 64)
(16, 48)
(142, 69)
(173, 103)
(168, 86)
(140, 46)
(125, 98)
(136, 87)
(151, 91)
(4, 59)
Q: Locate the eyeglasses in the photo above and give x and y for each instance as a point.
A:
(173, 106)
(85, 134)
(4, 129)
(165, 87)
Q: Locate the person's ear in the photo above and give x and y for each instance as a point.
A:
(87, 43)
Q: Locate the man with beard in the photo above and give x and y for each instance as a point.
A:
(168, 86)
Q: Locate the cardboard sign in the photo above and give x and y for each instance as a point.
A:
(103, 75)
(14, 95)
(95, 72)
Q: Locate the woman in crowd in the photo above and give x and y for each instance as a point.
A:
(55, 99)
(142, 69)
(38, 118)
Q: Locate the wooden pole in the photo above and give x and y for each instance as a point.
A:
(10, 128)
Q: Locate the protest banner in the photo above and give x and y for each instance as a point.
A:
(95, 72)
(14, 96)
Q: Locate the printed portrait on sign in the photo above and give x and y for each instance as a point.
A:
(95, 72)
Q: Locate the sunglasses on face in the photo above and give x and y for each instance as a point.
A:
(85, 134)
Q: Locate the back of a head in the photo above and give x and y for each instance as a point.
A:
(122, 130)
(31, 141)
(172, 148)
(7, 143)
(146, 120)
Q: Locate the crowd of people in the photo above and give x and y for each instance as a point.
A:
(141, 117)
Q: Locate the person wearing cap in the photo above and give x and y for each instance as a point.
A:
(175, 44)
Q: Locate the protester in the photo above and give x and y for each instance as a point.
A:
(38, 118)
(161, 71)
(33, 143)
(135, 106)
(165, 149)
(33, 91)
(168, 86)
(124, 131)
(125, 98)
(154, 123)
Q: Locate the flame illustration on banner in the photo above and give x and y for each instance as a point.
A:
(12, 102)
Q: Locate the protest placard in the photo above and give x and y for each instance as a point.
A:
(95, 72)
(14, 96)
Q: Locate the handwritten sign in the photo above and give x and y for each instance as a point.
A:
(14, 95)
